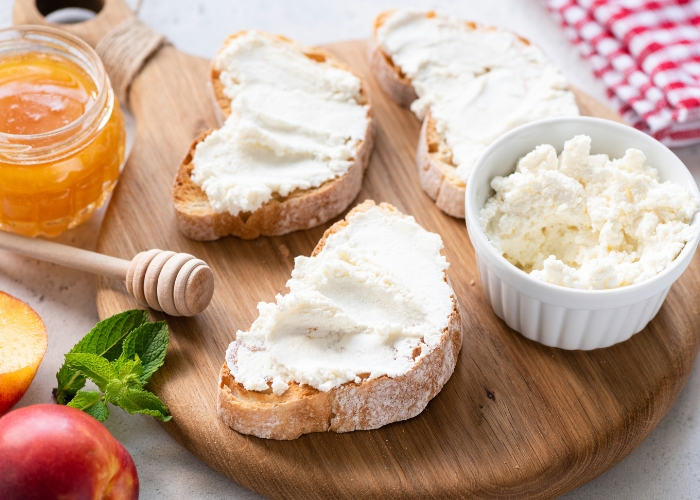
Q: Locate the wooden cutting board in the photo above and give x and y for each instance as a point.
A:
(516, 419)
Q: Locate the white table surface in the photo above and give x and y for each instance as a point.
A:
(665, 465)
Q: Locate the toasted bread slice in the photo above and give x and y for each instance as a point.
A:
(437, 172)
(363, 405)
(299, 210)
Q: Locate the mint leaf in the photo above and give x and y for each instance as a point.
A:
(105, 339)
(99, 411)
(91, 403)
(113, 391)
(108, 335)
(150, 343)
(120, 354)
(129, 371)
(136, 401)
(69, 382)
(94, 367)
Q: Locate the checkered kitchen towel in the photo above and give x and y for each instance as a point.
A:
(648, 56)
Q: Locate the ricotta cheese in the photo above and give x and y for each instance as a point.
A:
(295, 123)
(477, 82)
(357, 310)
(585, 221)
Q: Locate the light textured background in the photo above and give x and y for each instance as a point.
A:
(666, 465)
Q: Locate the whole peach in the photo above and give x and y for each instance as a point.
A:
(51, 451)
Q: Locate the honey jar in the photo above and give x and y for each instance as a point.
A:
(62, 133)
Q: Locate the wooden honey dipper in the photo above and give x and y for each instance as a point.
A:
(178, 284)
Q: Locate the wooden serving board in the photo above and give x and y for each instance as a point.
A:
(516, 419)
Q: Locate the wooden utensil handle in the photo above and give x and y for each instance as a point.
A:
(112, 13)
(75, 258)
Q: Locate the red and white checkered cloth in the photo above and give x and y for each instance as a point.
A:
(648, 56)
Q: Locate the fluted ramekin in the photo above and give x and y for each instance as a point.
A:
(554, 315)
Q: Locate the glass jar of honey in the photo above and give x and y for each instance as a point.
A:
(62, 133)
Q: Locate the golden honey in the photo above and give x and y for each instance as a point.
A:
(62, 134)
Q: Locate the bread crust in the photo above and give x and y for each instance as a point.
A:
(366, 405)
(300, 210)
(389, 76)
(438, 175)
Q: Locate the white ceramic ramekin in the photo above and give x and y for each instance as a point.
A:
(554, 315)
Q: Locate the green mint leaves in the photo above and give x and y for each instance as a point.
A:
(91, 403)
(119, 355)
(104, 340)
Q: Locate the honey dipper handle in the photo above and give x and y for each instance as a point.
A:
(75, 258)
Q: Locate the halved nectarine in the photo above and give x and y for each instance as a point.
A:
(23, 342)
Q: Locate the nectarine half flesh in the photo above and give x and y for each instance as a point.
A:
(23, 342)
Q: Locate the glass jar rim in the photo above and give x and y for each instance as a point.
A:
(36, 38)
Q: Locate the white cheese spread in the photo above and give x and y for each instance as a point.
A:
(358, 310)
(477, 82)
(295, 123)
(585, 221)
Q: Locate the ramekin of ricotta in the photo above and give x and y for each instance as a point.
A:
(615, 212)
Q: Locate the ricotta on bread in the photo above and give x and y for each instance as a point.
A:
(295, 121)
(368, 333)
(469, 84)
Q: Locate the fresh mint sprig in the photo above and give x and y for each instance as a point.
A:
(105, 340)
(119, 355)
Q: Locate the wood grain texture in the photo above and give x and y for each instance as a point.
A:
(516, 419)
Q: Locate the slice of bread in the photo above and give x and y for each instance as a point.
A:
(367, 404)
(299, 210)
(437, 172)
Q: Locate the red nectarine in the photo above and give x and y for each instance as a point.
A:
(51, 451)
